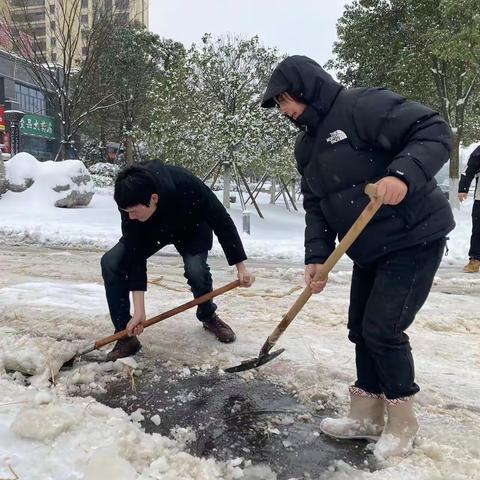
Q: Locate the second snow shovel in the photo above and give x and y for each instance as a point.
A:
(170, 313)
(265, 356)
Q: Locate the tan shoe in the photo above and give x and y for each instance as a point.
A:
(364, 421)
(473, 266)
(125, 347)
(400, 432)
(220, 329)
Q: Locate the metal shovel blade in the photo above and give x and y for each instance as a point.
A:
(254, 362)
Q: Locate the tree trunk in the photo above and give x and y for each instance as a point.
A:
(454, 171)
(226, 185)
(273, 191)
(129, 150)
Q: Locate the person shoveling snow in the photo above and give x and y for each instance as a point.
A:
(162, 205)
(350, 137)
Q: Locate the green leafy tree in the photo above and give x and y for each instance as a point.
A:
(206, 109)
(130, 62)
(427, 50)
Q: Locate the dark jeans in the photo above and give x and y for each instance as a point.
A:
(474, 251)
(115, 265)
(384, 299)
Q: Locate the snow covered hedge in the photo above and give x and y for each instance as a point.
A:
(103, 174)
(63, 184)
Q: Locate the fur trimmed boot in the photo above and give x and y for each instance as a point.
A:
(364, 421)
(400, 431)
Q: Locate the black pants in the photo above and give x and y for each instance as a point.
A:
(114, 271)
(474, 251)
(384, 299)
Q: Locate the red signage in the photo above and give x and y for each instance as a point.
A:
(2, 118)
(5, 140)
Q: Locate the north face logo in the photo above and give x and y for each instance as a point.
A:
(337, 136)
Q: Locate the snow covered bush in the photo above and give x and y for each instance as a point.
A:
(92, 152)
(103, 174)
(62, 184)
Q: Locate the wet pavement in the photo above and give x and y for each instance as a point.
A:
(235, 417)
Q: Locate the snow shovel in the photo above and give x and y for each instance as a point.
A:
(170, 313)
(265, 356)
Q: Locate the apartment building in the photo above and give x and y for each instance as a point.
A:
(45, 17)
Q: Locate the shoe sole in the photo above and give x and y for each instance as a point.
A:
(125, 356)
(373, 438)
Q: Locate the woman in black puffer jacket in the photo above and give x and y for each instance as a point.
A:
(350, 137)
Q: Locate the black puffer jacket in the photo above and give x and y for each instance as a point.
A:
(186, 214)
(472, 171)
(354, 136)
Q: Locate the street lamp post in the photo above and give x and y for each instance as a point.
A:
(14, 117)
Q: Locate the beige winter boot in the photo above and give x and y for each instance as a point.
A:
(364, 421)
(400, 431)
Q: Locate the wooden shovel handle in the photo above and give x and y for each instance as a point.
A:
(170, 313)
(352, 234)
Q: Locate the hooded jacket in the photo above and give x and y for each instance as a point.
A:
(187, 213)
(351, 137)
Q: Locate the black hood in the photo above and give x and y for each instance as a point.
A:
(306, 80)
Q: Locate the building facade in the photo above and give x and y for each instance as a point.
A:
(45, 17)
(38, 129)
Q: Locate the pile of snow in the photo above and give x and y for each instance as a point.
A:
(41, 431)
(39, 357)
(62, 184)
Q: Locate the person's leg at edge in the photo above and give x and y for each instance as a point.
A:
(366, 416)
(402, 283)
(199, 278)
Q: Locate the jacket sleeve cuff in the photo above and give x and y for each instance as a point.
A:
(236, 258)
(401, 175)
(137, 286)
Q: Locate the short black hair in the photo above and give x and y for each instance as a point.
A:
(133, 186)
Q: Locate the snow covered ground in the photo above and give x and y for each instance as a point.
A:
(279, 236)
(52, 300)
(48, 297)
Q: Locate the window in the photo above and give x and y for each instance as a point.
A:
(123, 18)
(30, 100)
(84, 51)
(84, 3)
(52, 8)
(122, 4)
(54, 57)
(84, 19)
(53, 41)
(30, 3)
(29, 17)
(37, 32)
(40, 46)
(52, 26)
